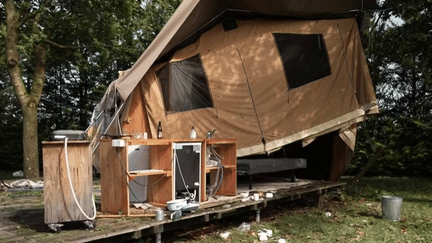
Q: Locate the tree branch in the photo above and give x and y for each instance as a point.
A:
(59, 45)
(34, 13)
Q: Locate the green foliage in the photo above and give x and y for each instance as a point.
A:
(88, 42)
(10, 130)
(400, 62)
(103, 37)
(406, 143)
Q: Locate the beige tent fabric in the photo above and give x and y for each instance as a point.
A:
(251, 98)
(252, 101)
(348, 135)
(192, 15)
(342, 155)
(126, 84)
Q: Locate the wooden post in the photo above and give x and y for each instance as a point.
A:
(319, 200)
(368, 165)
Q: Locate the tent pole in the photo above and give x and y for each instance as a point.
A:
(114, 119)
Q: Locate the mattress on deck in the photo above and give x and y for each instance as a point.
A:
(269, 165)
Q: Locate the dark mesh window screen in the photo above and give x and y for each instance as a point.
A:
(304, 57)
(184, 85)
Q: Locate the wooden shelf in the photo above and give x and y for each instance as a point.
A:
(209, 169)
(221, 141)
(148, 142)
(133, 174)
(69, 142)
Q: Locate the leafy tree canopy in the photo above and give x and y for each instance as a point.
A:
(400, 61)
(85, 44)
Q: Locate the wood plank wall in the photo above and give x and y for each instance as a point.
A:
(114, 194)
(137, 118)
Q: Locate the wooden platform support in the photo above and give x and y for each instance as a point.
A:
(319, 200)
(27, 213)
(153, 228)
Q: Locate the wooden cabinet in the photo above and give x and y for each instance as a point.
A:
(59, 204)
(226, 149)
(116, 177)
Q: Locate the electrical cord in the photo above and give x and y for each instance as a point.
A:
(220, 170)
(72, 189)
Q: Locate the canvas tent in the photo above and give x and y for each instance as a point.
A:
(268, 73)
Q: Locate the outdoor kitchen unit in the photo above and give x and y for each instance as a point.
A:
(67, 168)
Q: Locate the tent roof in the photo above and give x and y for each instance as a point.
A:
(193, 17)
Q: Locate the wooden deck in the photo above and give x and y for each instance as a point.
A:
(22, 216)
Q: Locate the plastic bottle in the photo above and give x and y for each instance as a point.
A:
(193, 133)
(159, 131)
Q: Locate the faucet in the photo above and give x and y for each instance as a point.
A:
(210, 134)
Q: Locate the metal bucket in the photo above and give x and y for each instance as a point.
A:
(160, 215)
(391, 207)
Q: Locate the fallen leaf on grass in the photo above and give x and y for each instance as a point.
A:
(404, 230)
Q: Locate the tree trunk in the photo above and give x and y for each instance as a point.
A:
(30, 141)
(28, 101)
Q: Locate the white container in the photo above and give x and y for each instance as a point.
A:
(193, 134)
(120, 143)
(175, 205)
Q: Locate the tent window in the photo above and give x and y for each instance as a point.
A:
(184, 85)
(304, 57)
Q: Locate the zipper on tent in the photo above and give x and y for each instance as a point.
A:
(253, 101)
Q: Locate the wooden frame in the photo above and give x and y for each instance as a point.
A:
(226, 148)
(115, 174)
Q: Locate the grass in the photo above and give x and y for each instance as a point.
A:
(19, 198)
(355, 217)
